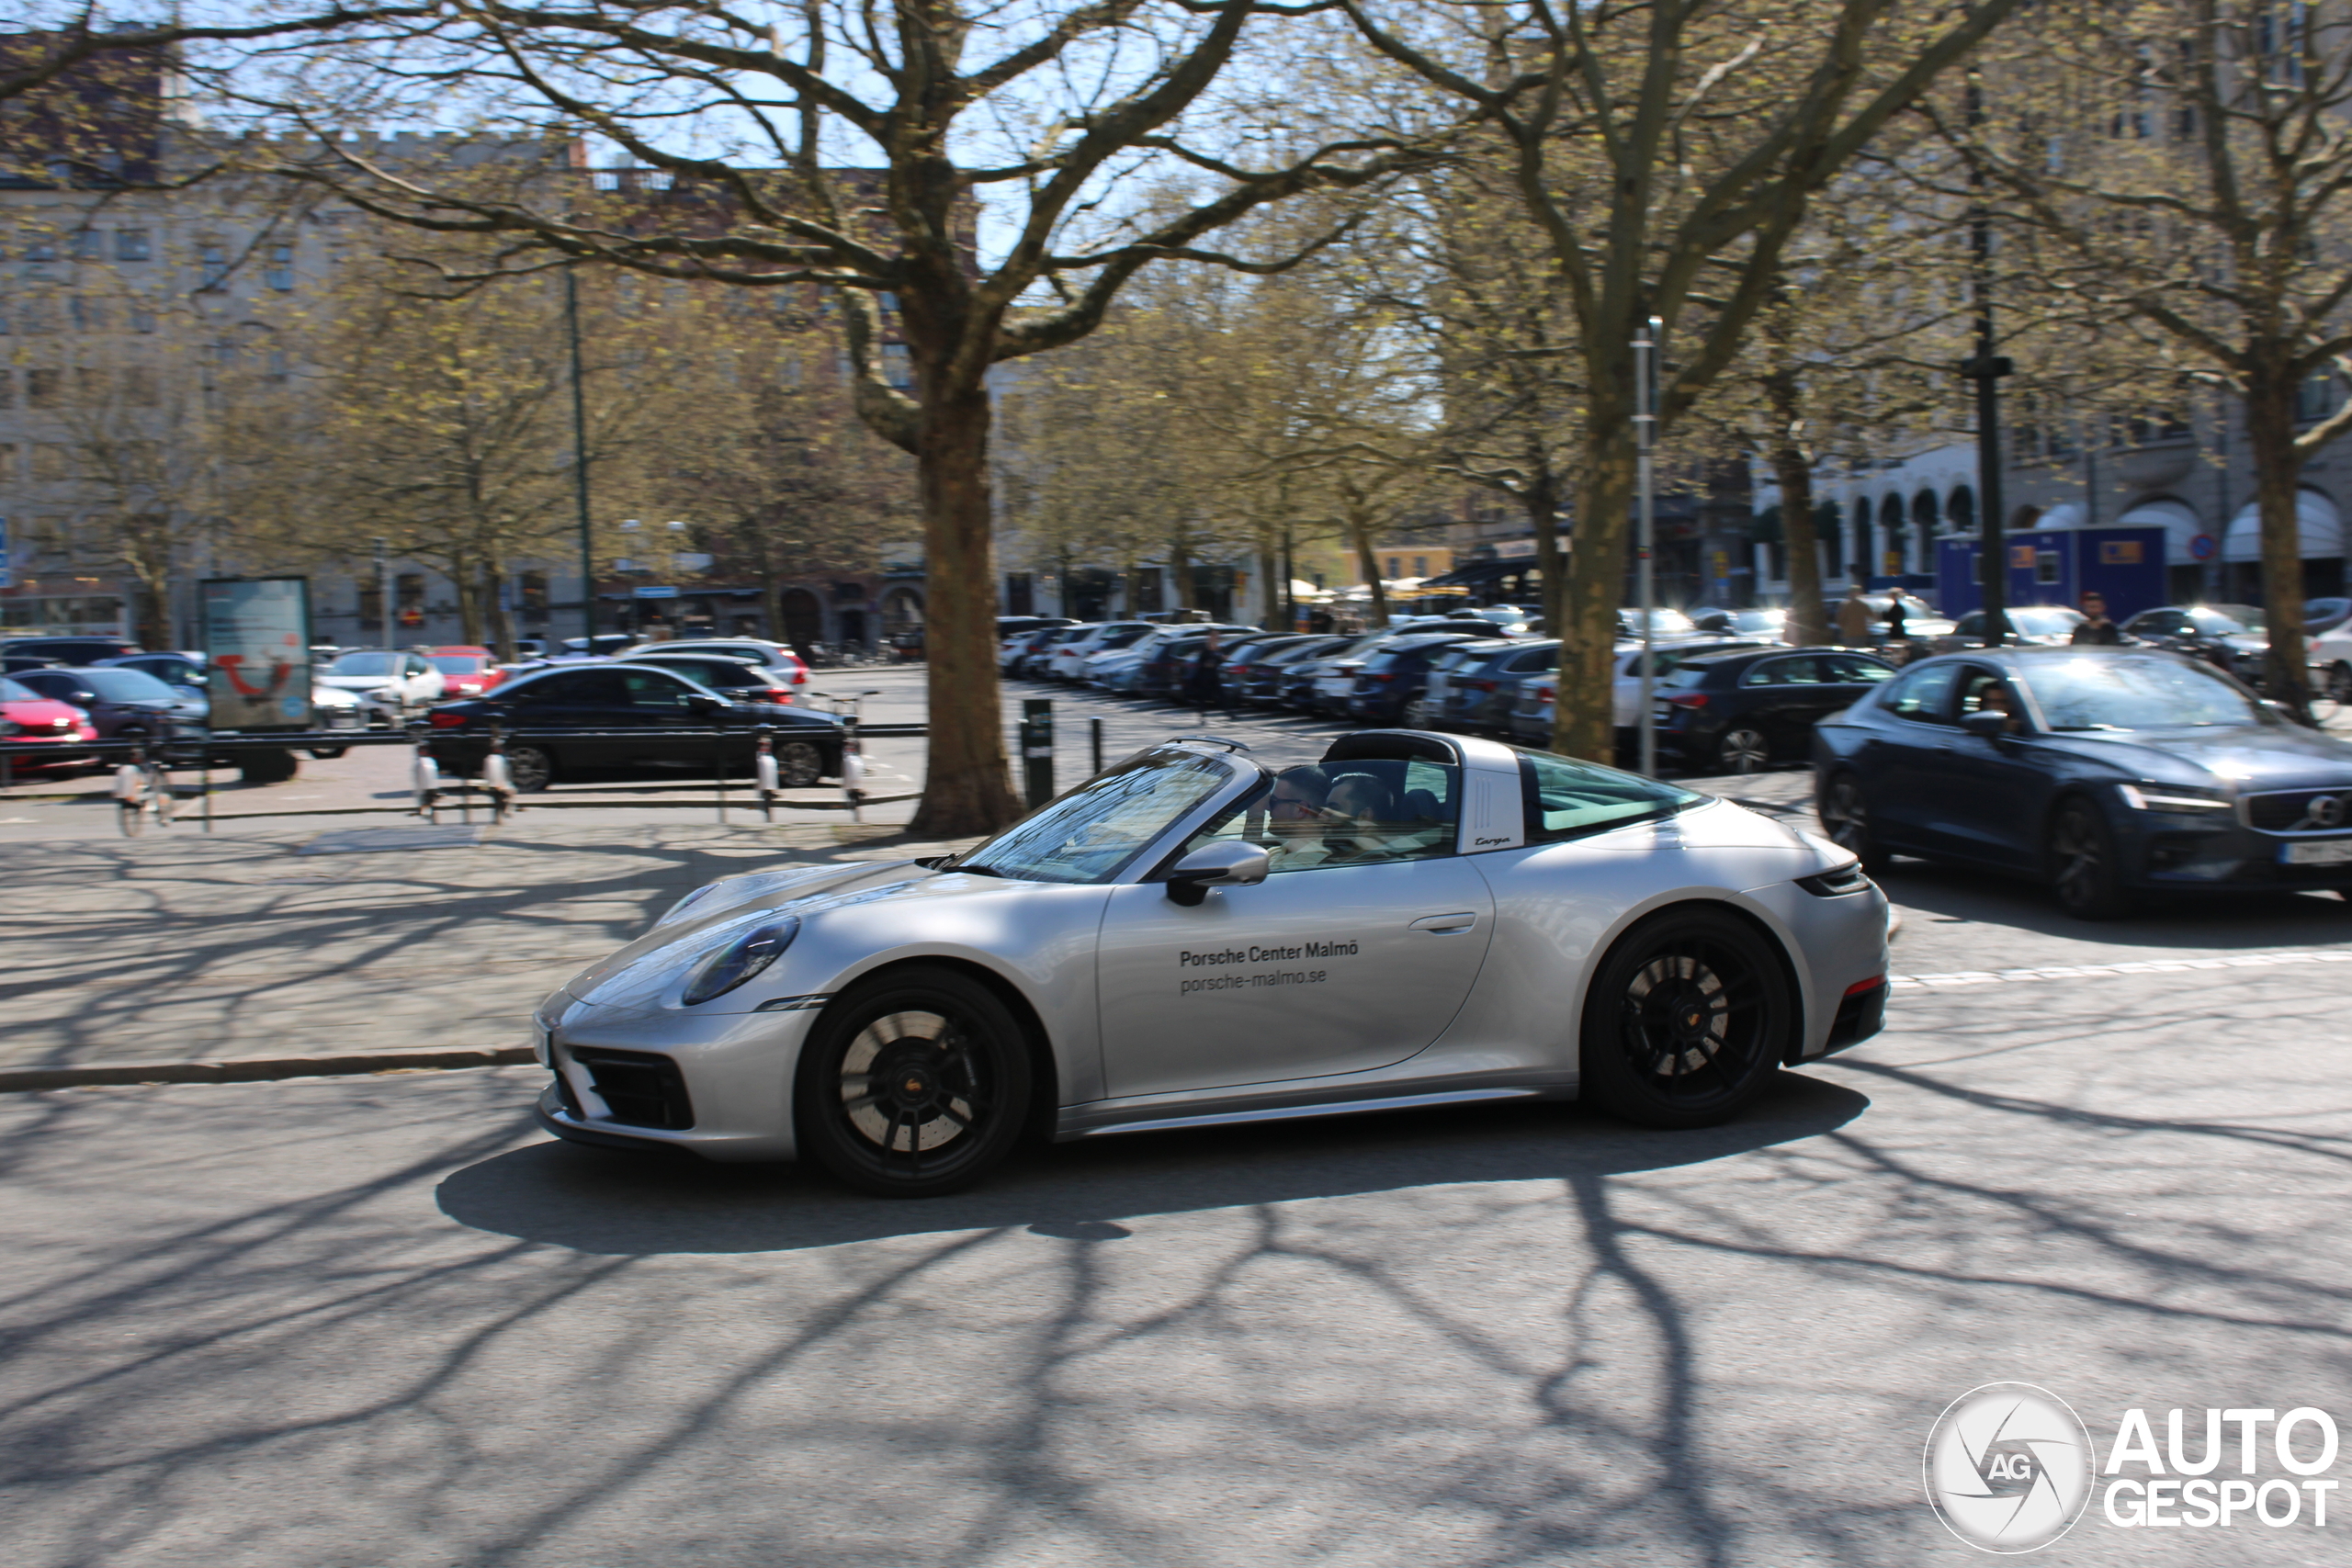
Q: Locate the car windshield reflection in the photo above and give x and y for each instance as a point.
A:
(2087, 694)
(1087, 834)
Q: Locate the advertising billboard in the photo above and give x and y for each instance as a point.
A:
(257, 644)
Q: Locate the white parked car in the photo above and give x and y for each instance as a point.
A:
(389, 685)
(1066, 661)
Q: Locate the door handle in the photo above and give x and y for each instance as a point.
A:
(1444, 924)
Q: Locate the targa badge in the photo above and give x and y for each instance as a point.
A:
(2009, 1467)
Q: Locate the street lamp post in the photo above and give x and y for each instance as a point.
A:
(580, 465)
(1987, 368)
(1645, 338)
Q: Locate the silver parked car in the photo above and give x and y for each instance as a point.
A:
(1190, 938)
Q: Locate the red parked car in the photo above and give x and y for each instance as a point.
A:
(27, 717)
(466, 671)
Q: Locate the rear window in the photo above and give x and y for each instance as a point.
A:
(1569, 799)
(12, 692)
(126, 685)
(1684, 676)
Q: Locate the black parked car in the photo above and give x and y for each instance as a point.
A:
(68, 650)
(1268, 665)
(1481, 681)
(1734, 712)
(1168, 664)
(1391, 676)
(2102, 771)
(658, 711)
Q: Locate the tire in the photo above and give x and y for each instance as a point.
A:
(799, 764)
(1845, 819)
(1687, 1020)
(1743, 749)
(327, 753)
(2339, 682)
(957, 1069)
(531, 767)
(2084, 864)
(267, 767)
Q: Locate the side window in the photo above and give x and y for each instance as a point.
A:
(1533, 659)
(1341, 813)
(1976, 684)
(652, 689)
(1800, 671)
(1925, 694)
(1849, 671)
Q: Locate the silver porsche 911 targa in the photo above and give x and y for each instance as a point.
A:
(1192, 938)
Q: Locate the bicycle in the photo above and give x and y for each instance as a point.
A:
(141, 789)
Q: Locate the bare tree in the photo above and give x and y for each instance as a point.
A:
(1048, 112)
(1667, 153)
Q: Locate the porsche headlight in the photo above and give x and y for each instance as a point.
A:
(740, 960)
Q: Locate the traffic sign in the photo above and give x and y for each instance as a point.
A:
(2203, 547)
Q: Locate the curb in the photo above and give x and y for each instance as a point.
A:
(258, 1069)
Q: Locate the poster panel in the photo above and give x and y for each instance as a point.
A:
(257, 647)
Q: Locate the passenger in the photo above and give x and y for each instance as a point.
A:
(1995, 696)
(1360, 810)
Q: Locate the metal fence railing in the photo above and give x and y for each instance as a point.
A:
(491, 788)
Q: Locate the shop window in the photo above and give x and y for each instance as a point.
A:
(131, 245)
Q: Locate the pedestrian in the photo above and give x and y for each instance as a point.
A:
(1202, 684)
(1896, 628)
(1854, 618)
(2095, 629)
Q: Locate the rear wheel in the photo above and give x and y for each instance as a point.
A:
(912, 1085)
(1686, 1021)
(267, 767)
(1743, 749)
(2083, 864)
(2339, 682)
(1846, 817)
(531, 768)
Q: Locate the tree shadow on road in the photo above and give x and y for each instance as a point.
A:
(596, 1201)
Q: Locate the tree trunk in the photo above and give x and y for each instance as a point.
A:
(1179, 569)
(1808, 619)
(1360, 535)
(968, 787)
(1269, 567)
(502, 615)
(2270, 436)
(1584, 711)
(772, 609)
(467, 584)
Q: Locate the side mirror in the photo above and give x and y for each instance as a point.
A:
(1215, 865)
(1986, 726)
(702, 704)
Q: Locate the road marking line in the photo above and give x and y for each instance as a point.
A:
(2138, 967)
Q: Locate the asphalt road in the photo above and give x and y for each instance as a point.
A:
(384, 1321)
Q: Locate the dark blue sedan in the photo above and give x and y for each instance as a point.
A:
(2106, 773)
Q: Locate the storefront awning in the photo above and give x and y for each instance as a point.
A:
(2321, 525)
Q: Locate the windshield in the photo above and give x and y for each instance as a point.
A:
(127, 686)
(363, 664)
(12, 692)
(2086, 694)
(2045, 621)
(171, 672)
(1087, 834)
(1663, 623)
(459, 664)
(1758, 620)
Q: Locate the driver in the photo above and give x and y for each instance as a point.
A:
(1995, 696)
(1294, 818)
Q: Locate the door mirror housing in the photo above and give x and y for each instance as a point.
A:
(1986, 726)
(1215, 865)
(701, 703)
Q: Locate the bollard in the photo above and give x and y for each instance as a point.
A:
(425, 778)
(1037, 750)
(763, 774)
(497, 776)
(1094, 735)
(852, 768)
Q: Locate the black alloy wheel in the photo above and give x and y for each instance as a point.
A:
(1743, 749)
(2084, 864)
(531, 767)
(1846, 817)
(799, 764)
(912, 1085)
(1686, 1019)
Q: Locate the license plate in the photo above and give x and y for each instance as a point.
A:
(2330, 852)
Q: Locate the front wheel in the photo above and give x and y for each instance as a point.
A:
(1686, 1021)
(1743, 749)
(2339, 682)
(531, 768)
(912, 1085)
(799, 764)
(2083, 864)
(1846, 817)
(327, 753)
